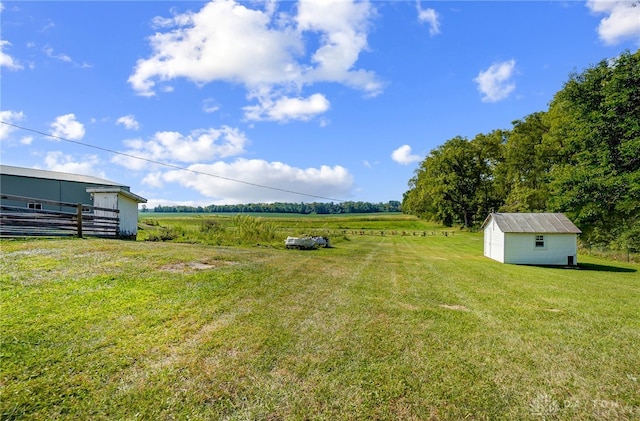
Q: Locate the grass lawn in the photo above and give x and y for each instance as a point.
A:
(378, 327)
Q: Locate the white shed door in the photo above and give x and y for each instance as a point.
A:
(105, 200)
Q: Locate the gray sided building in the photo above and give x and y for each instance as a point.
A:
(40, 186)
(50, 185)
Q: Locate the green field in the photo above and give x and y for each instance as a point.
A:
(402, 324)
(292, 223)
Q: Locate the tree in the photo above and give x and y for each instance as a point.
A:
(594, 121)
(523, 177)
(489, 158)
(454, 184)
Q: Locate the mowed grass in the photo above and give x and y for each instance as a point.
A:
(378, 327)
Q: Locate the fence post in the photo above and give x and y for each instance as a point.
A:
(79, 218)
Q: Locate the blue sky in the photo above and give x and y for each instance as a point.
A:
(331, 99)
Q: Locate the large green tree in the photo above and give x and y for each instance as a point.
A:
(594, 126)
(523, 176)
(454, 184)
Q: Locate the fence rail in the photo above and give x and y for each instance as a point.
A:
(73, 219)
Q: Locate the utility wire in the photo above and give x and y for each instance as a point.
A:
(164, 164)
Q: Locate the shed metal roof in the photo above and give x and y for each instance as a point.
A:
(118, 190)
(55, 175)
(534, 222)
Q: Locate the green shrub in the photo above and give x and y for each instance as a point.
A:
(211, 226)
(166, 234)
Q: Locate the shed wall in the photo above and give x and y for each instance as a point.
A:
(128, 216)
(494, 242)
(519, 248)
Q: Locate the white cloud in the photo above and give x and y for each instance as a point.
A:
(403, 155)
(131, 163)
(622, 21)
(62, 57)
(329, 182)
(209, 105)
(152, 203)
(285, 108)
(153, 179)
(218, 43)
(129, 122)
(49, 51)
(260, 49)
(9, 117)
(197, 146)
(67, 127)
(58, 161)
(495, 83)
(343, 27)
(50, 25)
(6, 60)
(429, 16)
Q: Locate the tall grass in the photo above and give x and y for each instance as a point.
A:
(239, 230)
(245, 229)
(249, 229)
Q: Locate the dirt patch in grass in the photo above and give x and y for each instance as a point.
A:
(456, 307)
(409, 306)
(194, 266)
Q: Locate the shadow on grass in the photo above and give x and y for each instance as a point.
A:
(588, 266)
(604, 268)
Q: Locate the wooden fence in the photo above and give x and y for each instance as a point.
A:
(70, 219)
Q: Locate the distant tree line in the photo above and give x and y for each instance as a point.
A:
(319, 208)
(580, 157)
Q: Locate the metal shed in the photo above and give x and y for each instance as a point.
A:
(531, 238)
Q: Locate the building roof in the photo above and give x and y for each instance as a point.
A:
(55, 175)
(533, 222)
(117, 190)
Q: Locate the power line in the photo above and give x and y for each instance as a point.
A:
(164, 164)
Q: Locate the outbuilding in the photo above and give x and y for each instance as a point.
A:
(35, 190)
(531, 239)
(121, 199)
